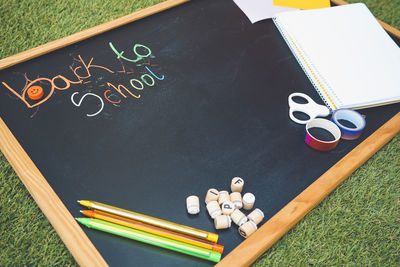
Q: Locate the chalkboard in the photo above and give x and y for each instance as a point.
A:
(144, 115)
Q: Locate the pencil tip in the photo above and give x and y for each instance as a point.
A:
(79, 201)
(81, 211)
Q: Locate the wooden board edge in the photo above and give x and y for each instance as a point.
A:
(249, 250)
(392, 30)
(253, 247)
(85, 34)
(60, 218)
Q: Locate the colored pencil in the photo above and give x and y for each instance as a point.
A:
(151, 220)
(150, 239)
(152, 229)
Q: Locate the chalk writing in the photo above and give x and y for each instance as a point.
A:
(108, 95)
(158, 78)
(86, 68)
(137, 82)
(83, 69)
(85, 95)
(146, 80)
(136, 50)
(118, 89)
(22, 96)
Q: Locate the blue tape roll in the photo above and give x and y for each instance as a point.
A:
(352, 116)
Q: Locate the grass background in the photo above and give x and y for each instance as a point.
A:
(358, 224)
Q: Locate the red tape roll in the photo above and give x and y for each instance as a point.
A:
(319, 144)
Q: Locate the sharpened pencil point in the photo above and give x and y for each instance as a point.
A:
(79, 201)
(81, 211)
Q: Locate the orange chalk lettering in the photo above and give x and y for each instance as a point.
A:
(67, 82)
(108, 99)
(23, 95)
(87, 68)
(118, 89)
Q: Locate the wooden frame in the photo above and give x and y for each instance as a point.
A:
(245, 253)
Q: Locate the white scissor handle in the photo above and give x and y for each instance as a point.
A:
(310, 108)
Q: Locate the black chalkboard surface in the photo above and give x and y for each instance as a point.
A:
(143, 116)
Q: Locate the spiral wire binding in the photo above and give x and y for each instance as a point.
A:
(317, 82)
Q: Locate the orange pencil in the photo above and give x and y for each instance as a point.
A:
(151, 229)
(131, 215)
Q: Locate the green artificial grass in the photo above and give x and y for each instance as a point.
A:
(27, 238)
(358, 224)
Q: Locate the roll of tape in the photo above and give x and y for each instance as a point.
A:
(352, 116)
(326, 125)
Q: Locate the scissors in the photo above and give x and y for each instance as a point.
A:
(310, 108)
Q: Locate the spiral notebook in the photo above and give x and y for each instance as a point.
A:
(349, 58)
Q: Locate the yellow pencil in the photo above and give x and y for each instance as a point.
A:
(152, 229)
(150, 220)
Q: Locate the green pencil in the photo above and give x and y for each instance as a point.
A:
(150, 239)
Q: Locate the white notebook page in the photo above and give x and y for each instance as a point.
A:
(351, 51)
